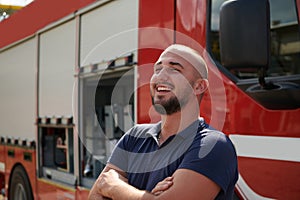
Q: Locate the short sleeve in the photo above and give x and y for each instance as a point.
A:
(213, 155)
(119, 156)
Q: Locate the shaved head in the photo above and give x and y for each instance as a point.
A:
(191, 56)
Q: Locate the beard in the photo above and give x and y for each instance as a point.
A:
(170, 106)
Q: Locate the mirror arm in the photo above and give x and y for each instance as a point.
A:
(261, 79)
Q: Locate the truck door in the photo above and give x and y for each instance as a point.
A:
(106, 113)
(263, 98)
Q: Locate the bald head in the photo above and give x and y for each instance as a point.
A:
(190, 55)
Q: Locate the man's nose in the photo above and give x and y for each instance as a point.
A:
(163, 74)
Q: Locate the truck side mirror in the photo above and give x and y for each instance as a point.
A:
(245, 35)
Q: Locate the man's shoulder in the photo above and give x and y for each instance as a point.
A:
(217, 140)
(210, 133)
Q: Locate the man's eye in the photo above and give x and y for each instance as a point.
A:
(175, 69)
(157, 70)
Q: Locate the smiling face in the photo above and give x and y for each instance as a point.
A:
(174, 82)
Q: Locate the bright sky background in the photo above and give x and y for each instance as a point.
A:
(16, 2)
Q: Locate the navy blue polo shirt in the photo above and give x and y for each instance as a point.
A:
(198, 148)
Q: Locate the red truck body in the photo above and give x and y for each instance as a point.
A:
(266, 133)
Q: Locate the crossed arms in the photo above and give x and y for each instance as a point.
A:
(184, 184)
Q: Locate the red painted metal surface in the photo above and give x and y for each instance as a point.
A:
(14, 155)
(28, 20)
(267, 177)
(156, 25)
(191, 22)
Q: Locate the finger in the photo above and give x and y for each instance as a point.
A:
(162, 186)
(157, 193)
(170, 178)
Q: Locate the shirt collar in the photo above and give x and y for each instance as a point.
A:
(194, 127)
(154, 130)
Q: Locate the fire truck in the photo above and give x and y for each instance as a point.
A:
(75, 76)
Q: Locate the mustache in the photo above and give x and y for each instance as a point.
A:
(163, 83)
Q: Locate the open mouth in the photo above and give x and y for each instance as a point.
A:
(163, 88)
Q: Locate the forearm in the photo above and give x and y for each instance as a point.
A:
(125, 191)
(96, 197)
(109, 184)
(95, 194)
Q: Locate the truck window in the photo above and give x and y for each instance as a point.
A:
(285, 40)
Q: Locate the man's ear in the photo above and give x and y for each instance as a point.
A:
(200, 86)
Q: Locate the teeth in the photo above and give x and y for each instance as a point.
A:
(163, 89)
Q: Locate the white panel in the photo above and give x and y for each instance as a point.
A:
(57, 64)
(267, 147)
(17, 90)
(109, 31)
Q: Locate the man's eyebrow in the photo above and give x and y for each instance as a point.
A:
(171, 63)
(176, 63)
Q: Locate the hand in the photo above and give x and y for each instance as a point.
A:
(107, 181)
(162, 186)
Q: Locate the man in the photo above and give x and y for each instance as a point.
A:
(180, 157)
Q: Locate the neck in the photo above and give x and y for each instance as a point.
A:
(176, 122)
